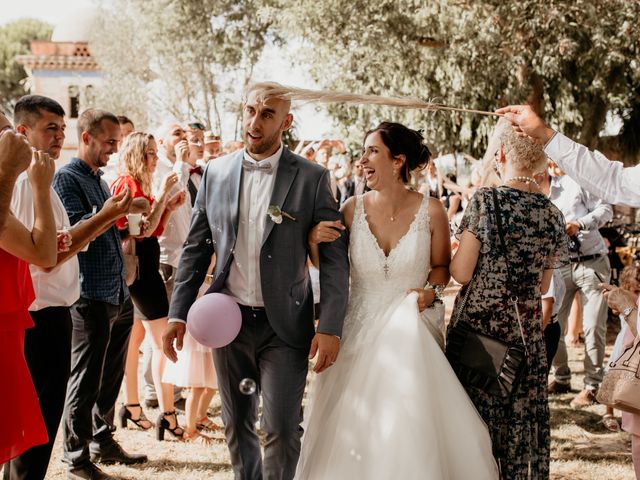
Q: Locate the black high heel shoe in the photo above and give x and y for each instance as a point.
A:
(163, 424)
(125, 414)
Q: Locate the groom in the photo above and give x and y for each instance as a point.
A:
(261, 254)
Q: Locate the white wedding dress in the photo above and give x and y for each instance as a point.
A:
(391, 407)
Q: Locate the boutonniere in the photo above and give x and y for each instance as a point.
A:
(276, 214)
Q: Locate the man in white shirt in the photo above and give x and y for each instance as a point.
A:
(48, 343)
(173, 156)
(254, 210)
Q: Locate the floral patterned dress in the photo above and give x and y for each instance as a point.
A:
(535, 240)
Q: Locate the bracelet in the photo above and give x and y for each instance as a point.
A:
(439, 291)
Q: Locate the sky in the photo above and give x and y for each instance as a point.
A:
(310, 124)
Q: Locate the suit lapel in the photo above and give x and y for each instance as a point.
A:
(233, 193)
(286, 173)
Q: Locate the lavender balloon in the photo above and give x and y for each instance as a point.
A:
(214, 320)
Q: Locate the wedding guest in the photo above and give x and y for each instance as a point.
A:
(584, 214)
(138, 159)
(629, 281)
(610, 181)
(195, 370)
(535, 245)
(103, 315)
(212, 146)
(551, 302)
(110, 170)
(173, 155)
(24, 426)
(48, 344)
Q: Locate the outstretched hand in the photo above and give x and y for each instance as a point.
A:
(527, 123)
(327, 347)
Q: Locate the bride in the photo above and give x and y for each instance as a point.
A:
(391, 407)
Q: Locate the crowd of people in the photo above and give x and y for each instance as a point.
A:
(104, 257)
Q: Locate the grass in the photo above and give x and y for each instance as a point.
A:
(581, 448)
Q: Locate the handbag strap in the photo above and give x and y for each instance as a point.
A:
(503, 247)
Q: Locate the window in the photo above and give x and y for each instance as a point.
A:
(74, 101)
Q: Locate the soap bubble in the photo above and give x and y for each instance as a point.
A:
(247, 386)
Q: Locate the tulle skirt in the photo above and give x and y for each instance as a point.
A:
(394, 409)
(194, 367)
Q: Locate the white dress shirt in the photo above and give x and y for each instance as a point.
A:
(577, 204)
(61, 286)
(557, 289)
(177, 228)
(243, 282)
(608, 180)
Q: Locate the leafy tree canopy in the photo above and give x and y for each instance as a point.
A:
(15, 39)
(574, 61)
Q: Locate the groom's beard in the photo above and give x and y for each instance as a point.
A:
(265, 145)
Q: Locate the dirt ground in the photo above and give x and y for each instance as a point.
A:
(582, 449)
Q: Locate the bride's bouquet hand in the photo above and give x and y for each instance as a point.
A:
(426, 297)
(325, 232)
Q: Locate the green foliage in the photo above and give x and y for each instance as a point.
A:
(15, 39)
(572, 60)
(176, 58)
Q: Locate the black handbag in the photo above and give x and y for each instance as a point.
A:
(483, 361)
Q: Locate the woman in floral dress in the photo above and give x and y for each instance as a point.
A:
(536, 244)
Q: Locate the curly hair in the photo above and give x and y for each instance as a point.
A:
(523, 153)
(133, 159)
(630, 277)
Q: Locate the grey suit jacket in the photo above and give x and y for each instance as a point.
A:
(302, 189)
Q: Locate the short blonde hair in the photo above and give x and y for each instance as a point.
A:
(521, 152)
(133, 159)
(264, 91)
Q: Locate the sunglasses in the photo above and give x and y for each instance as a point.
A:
(196, 126)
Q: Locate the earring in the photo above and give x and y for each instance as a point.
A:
(496, 168)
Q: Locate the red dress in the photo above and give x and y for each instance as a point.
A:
(23, 426)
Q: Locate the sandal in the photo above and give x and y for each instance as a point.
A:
(610, 423)
(124, 415)
(197, 437)
(207, 425)
(163, 424)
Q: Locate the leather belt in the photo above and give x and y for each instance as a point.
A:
(252, 309)
(586, 258)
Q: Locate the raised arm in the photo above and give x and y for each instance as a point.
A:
(15, 156)
(608, 180)
(39, 245)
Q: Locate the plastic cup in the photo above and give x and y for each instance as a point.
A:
(134, 220)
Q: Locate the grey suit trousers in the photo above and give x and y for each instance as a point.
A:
(280, 372)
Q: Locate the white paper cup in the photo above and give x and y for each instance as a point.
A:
(134, 220)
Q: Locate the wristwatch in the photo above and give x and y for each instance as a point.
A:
(627, 311)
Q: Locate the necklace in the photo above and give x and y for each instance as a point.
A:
(527, 180)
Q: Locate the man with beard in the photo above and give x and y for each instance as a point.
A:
(103, 315)
(48, 344)
(254, 210)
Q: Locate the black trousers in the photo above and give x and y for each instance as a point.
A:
(99, 343)
(280, 372)
(47, 349)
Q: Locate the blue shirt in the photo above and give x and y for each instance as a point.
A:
(83, 193)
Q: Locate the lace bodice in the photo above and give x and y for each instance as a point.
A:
(378, 280)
